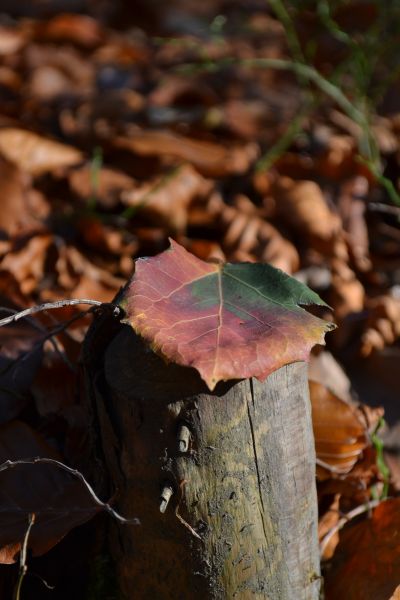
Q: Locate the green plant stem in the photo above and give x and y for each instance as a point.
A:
(95, 168)
(312, 75)
(367, 144)
(380, 459)
(279, 64)
(284, 17)
(272, 154)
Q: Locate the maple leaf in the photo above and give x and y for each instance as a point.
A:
(229, 321)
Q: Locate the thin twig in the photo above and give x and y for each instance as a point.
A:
(384, 208)
(181, 519)
(47, 306)
(45, 583)
(22, 558)
(359, 510)
(292, 38)
(38, 327)
(48, 336)
(9, 464)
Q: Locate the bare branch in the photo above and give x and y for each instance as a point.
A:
(47, 306)
(9, 464)
(22, 558)
(359, 510)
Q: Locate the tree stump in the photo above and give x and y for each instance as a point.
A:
(223, 482)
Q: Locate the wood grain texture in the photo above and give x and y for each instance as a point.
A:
(246, 485)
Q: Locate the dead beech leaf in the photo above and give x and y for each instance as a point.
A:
(326, 523)
(11, 40)
(339, 158)
(352, 207)
(106, 238)
(21, 207)
(340, 432)
(27, 264)
(346, 296)
(81, 30)
(21, 354)
(208, 158)
(366, 564)
(325, 369)
(203, 249)
(47, 82)
(165, 201)
(383, 324)
(60, 501)
(303, 206)
(35, 154)
(83, 278)
(53, 387)
(104, 187)
(174, 89)
(248, 237)
(396, 594)
(66, 64)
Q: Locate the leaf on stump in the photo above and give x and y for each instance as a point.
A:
(229, 321)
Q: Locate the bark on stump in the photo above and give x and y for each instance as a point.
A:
(242, 519)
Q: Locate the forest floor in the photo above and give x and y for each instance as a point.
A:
(245, 132)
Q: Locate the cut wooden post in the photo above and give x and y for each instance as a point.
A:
(223, 482)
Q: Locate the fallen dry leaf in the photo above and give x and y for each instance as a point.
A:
(107, 239)
(383, 324)
(165, 201)
(75, 29)
(248, 237)
(209, 158)
(28, 263)
(35, 154)
(326, 523)
(366, 563)
(352, 207)
(302, 205)
(340, 432)
(339, 159)
(100, 186)
(326, 370)
(21, 354)
(396, 594)
(11, 40)
(83, 279)
(59, 501)
(22, 208)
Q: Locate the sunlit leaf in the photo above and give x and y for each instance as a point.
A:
(229, 321)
